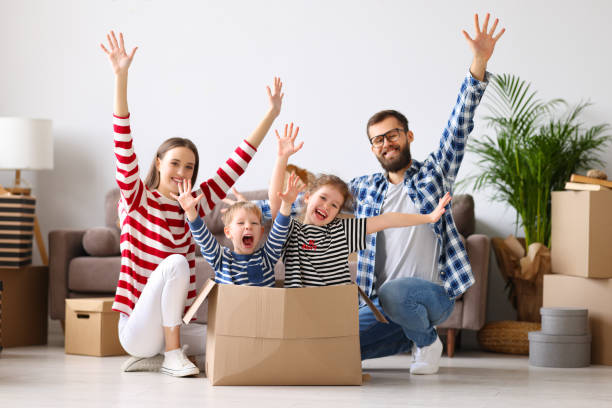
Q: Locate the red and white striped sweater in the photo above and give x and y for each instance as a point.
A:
(153, 226)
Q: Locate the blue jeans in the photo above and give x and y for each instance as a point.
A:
(413, 307)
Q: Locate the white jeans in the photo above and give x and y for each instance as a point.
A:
(161, 304)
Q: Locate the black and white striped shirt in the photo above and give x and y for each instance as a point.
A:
(318, 255)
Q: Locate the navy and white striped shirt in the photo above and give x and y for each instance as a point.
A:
(318, 255)
(256, 269)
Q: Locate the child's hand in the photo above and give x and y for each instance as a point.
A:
(286, 144)
(187, 201)
(439, 210)
(230, 202)
(294, 187)
(117, 56)
(276, 98)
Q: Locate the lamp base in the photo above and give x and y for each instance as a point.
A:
(25, 191)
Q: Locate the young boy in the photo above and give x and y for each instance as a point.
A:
(244, 265)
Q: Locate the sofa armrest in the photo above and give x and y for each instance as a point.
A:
(64, 245)
(475, 299)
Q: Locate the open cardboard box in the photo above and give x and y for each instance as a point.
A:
(275, 336)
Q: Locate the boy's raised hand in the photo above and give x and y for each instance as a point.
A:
(187, 201)
(294, 187)
(119, 59)
(276, 98)
(439, 210)
(286, 143)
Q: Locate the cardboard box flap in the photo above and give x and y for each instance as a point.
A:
(208, 286)
(379, 316)
(99, 305)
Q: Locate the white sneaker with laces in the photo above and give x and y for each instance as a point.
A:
(426, 360)
(143, 363)
(177, 364)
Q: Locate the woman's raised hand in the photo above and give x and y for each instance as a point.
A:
(286, 143)
(276, 98)
(119, 59)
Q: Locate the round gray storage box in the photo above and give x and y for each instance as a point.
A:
(547, 350)
(564, 321)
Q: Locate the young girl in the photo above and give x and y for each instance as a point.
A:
(157, 277)
(316, 251)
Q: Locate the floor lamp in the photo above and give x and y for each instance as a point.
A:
(26, 144)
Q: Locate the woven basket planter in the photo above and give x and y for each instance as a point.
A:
(507, 336)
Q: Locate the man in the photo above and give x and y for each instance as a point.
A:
(414, 274)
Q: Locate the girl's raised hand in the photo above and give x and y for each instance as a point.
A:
(286, 144)
(294, 187)
(276, 98)
(187, 201)
(119, 59)
(439, 210)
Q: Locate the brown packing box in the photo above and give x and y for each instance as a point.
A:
(24, 306)
(592, 294)
(582, 233)
(276, 336)
(91, 327)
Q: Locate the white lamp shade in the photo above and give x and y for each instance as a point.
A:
(26, 144)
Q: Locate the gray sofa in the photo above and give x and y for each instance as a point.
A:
(86, 263)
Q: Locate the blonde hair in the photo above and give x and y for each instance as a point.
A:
(237, 206)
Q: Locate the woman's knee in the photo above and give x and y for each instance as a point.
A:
(176, 266)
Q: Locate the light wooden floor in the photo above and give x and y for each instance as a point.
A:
(46, 377)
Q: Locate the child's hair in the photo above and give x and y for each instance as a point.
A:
(152, 180)
(307, 177)
(338, 184)
(240, 205)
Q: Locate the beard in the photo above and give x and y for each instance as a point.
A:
(402, 161)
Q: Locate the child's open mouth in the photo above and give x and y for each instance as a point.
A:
(320, 214)
(177, 180)
(247, 241)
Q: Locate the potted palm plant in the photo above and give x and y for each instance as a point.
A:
(533, 151)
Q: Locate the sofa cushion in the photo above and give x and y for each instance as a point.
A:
(463, 214)
(101, 241)
(94, 274)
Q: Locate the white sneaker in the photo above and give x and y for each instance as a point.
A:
(143, 363)
(177, 364)
(426, 360)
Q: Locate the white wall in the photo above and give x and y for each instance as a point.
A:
(202, 67)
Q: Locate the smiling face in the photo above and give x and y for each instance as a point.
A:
(393, 156)
(244, 230)
(176, 165)
(323, 205)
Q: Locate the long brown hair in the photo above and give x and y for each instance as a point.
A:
(152, 180)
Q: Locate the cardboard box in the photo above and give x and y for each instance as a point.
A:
(592, 294)
(582, 233)
(91, 327)
(276, 336)
(24, 306)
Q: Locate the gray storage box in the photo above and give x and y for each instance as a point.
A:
(565, 321)
(547, 350)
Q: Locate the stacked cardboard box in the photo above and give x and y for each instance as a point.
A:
(581, 255)
(16, 229)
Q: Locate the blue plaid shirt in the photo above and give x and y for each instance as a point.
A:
(425, 182)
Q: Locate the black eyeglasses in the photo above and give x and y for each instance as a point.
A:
(391, 136)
